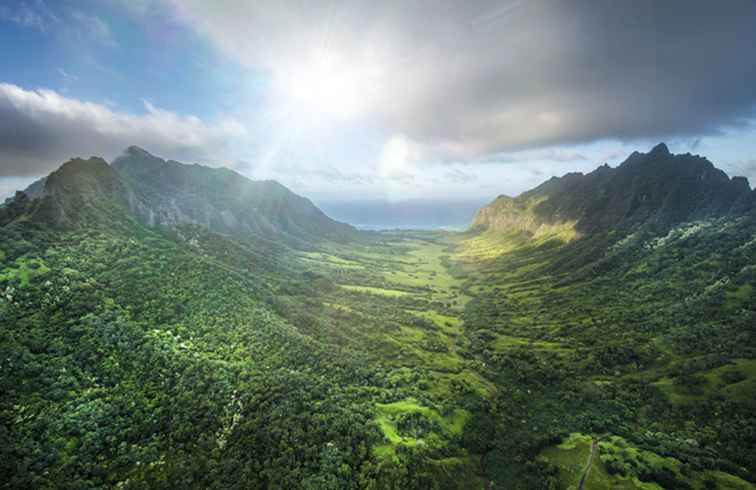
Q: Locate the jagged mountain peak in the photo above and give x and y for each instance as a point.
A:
(82, 175)
(80, 165)
(657, 187)
(81, 192)
(136, 150)
(660, 149)
(135, 161)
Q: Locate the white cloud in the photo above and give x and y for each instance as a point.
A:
(41, 128)
(32, 15)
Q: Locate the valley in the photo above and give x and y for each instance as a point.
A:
(435, 275)
(152, 345)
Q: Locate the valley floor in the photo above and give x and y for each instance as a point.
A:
(406, 300)
(142, 359)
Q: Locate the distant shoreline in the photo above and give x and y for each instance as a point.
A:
(426, 227)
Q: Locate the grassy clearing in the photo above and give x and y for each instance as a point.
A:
(410, 334)
(392, 293)
(452, 423)
(441, 384)
(446, 362)
(412, 353)
(451, 325)
(506, 342)
(421, 265)
(736, 381)
(389, 415)
(339, 307)
(330, 260)
(677, 394)
(24, 270)
(571, 457)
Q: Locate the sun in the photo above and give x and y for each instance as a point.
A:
(326, 87)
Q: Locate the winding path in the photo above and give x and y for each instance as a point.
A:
(594, 449)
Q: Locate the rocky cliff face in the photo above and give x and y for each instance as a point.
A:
(170, 193)
(655, 188)
(157, 192)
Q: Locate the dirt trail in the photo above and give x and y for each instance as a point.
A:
(594, 449)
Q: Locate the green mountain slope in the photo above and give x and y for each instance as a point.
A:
(619, 304)
(223, 201)
(167, 193)
(147, 343)
(655, 344)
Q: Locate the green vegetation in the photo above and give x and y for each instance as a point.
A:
(327, 259)
(482, 370)
(409, 424)
(392, 293)
(141, 356)
(23, 270)
(162, 326)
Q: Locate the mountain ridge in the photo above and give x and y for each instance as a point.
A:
(656, 188)
(158, 192)
(222, 200)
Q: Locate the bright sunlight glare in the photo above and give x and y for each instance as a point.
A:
(326, 88)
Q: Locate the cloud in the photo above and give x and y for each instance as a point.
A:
(136, 8)
(39, 129)
(9, 186)
(551, 154)
(459, 176)
(74, 25)
(92, 28)
(34, 15)
(743, 168)
(464, 79)
(67, 76)
(329, 175)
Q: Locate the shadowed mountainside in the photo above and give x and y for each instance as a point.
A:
(167, 193)
(656, 188)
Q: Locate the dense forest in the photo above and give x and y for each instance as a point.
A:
(596, 332)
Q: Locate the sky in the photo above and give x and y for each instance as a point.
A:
(377, 101)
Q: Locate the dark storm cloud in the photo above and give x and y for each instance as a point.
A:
(40, 129)
(567, 72)
(470, 78)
